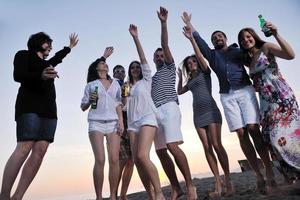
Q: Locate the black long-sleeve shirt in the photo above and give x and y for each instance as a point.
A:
(36, 95)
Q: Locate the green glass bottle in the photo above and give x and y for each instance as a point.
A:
(262, 23)
(94, 103)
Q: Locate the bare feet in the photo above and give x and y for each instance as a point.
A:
(271, 186)
(176, 193)
(159, 196)
(228, 188)
(123, 198)
(192, 193)
(113, 197)
(261, 186)
(218, 190)
(99, 198)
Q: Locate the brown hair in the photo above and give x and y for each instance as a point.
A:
(258, 42)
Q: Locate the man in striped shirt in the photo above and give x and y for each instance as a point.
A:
(165, 98)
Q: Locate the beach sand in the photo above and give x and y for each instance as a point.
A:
(244, 185)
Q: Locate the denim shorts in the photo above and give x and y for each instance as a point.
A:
(31, 127)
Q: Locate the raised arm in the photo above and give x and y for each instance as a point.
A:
(180, 89)
(134, 33)
(163, 16)
(73, 40)
(107, 52)
(57, 58)
(186, 18)
(188, 34)
(284, 50)
(204, 48)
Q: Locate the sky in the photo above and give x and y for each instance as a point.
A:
(66, 172)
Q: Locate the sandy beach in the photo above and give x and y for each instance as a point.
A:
(245, 189)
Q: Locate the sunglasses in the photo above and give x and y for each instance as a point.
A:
(119, 71)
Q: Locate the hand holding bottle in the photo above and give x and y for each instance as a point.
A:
(94, 98)
(126, 90)
(262, 23)
(272, 27)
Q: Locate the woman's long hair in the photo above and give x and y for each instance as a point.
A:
(93, 73)
(129, 71)
(186, 71)
(258, 43)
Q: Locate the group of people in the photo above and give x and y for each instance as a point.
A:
(133, 114)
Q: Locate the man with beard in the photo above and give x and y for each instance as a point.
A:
(237, 97)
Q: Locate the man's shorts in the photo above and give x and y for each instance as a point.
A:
(240, 107)
(31, 127)
(169, 129)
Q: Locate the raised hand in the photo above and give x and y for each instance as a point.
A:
(133, 30)
(272, 27)
(108, 51)
(187, 32)
(186, 18)
(162, 14)
(73, 40)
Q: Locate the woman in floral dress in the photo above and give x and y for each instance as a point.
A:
(280, 115)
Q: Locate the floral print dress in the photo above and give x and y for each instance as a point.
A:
(279, 111)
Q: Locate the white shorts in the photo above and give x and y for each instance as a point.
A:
(169, 125)
(103, 126)
(145, 120)
(240, 107)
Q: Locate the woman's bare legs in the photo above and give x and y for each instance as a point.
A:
(96, 139)
(113, 148)
(214, 132)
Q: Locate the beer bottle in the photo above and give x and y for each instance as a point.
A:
(126, 90)
(262, 24)
(94, 103)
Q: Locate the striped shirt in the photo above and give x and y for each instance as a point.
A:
(163, 85)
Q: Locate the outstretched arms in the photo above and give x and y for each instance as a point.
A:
(134, 33)
(163, 16)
